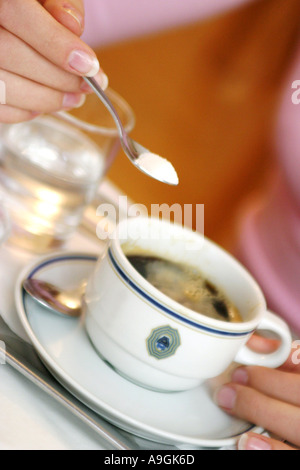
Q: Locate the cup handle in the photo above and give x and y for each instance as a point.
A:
(273, 323)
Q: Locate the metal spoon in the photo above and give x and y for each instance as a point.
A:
(149, 163)
(66, 302)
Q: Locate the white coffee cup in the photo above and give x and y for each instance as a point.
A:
(154, 341)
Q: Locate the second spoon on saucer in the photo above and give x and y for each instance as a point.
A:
(66, 302)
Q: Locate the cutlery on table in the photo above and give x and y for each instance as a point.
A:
(22, 356)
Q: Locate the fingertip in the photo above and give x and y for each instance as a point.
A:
(34, 115)
(84, 63)
(73, 100)
(72, 19)
(225, 397)
(263, 345)
(11, 115)
(101, 78)
(67, 15)
(104, 81)
(252, 441)
(240, 376)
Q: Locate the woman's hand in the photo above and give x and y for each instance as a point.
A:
(269, 398)
(42, 58)
(69, 13)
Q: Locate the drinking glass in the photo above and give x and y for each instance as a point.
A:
(50, 170)
(4, 223)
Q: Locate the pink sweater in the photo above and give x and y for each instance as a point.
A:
(270, 232)
(108, 21)
(270, 228)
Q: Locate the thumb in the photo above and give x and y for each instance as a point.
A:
(69, 13)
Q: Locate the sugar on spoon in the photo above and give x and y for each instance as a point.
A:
(149, 163)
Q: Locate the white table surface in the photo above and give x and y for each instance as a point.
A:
(29, 418)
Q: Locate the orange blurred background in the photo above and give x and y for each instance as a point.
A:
(205, 97)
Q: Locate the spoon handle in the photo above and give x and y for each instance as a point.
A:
(126, 141)
(106, 101)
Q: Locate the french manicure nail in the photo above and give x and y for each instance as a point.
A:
(240, 376)
(81, 101)
(247, 442)
(101, 78)
(71, 10)
(72, 100)
(225, 397)
(84, 63)
(104, 81)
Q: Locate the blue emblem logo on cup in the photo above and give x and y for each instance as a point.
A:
(163, 342)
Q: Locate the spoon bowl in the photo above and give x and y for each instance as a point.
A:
(149, 163)
(65, 302)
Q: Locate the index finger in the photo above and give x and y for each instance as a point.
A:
(271, 414)
(35, 26)
(70, 14)
(283, 386)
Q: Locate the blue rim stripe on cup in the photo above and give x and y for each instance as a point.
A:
(167, 310)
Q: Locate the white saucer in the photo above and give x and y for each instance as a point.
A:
(184, 419)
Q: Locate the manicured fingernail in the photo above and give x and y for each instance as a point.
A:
(71, 10)
(225, 397)
(104, 81)
(101, 78)
(240, 376)
(84, 63)
(71, 100)
(81, 101)
(35, 114)
(248, 442)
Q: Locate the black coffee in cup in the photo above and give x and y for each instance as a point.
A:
(186, 285)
